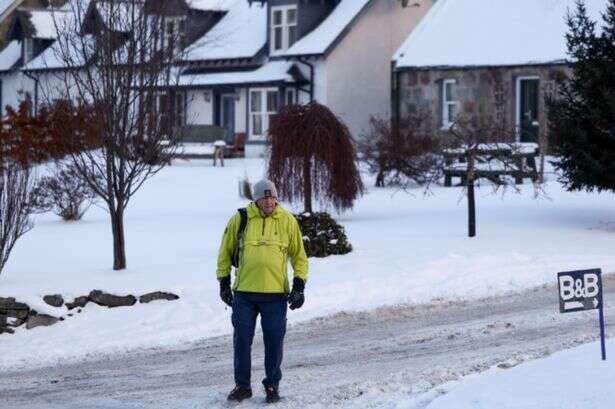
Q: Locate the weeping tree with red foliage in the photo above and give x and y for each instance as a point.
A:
(313, 156)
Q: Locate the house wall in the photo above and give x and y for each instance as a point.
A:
(15, 85)
(489, 91)
(358, 71)
(198, 110)
(320, 82)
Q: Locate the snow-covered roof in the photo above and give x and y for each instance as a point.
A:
(45, 22)
(54, 56)
(490, 33)
(241, 33)
(213, 5)
(10, 55)
(42, 21)
(326, 33)
(273, 71)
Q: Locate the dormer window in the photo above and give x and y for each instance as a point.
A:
(283, 28)
(174, 34)
(28, 50)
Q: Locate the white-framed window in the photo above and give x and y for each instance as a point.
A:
(28, 50)
(283, 28)
(450, 104)
(263, 105)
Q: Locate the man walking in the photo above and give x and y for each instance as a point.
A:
(259, 244)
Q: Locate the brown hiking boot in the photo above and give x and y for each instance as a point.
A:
(239, 393)
(273, 395)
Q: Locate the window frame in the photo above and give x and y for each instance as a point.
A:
(285, 27)
(448, 104)
(179, 109)
(263, 113)
(28, 49)
(174, 42)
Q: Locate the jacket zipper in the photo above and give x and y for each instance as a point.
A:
(264, 220)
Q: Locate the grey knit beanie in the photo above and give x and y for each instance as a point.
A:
(264, 188)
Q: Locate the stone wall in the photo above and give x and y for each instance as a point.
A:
(489, 91)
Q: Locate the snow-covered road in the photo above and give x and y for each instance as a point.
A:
(346, 360)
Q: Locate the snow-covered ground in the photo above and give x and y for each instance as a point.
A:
(407, 249)
(571, 379)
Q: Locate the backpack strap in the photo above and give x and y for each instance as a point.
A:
(243, 222)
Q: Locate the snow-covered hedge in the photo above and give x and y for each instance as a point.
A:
(322, 235)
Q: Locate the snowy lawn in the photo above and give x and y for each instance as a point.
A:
(577, 378)
(407, 249)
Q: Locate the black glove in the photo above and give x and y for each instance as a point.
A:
(225, 291)
(296, 297)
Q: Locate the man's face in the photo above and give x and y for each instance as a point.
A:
(267, 204)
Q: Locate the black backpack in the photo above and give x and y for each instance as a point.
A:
(243, 214)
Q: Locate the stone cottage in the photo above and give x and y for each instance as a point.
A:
(497, 58)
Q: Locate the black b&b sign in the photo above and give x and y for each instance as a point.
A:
(579, 290)
(582, 290)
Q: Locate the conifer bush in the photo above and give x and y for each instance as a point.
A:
(322, 235)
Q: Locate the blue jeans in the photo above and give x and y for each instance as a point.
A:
(273, 322)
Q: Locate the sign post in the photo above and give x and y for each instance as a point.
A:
(581, 290)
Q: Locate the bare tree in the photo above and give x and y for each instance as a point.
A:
(124, 68)
(63, 192)
(403, 155)
(15, 189)
(488, 151)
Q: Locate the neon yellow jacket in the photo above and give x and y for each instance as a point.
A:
(268, 244)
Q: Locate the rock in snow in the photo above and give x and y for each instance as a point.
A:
(158, 295)
(12, 308)
(55, 300)
(40, 320)
(110, 300)
(78, 302)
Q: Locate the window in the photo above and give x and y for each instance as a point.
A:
(263, 106)
(174, 35)
(449, 102)
(283, 28)
(28, 50)
(180, 109)
(163, 112)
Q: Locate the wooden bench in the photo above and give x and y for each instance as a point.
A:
(492, 162)
(197, 142)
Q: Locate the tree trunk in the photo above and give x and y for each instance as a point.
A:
(380, 179)
(542, 150)
(307, 185)
(119, 248)
(471, 208)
